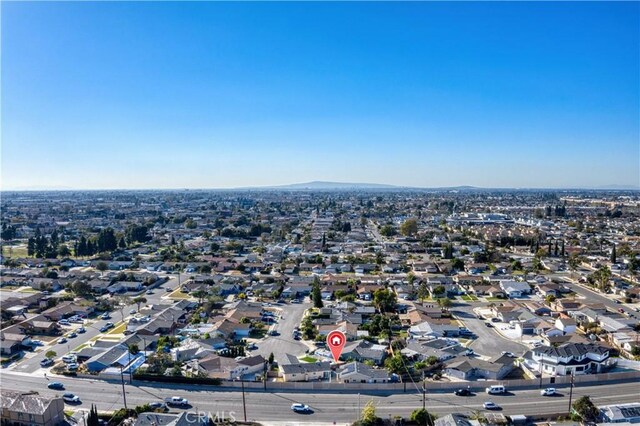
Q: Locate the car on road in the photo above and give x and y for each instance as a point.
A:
(82, 330)
(495, 319)
(62, 340)
(168, 290)
(71, 398)
(104, 328)
(548, 392)
(488, 324)
(496, 390)
(252, 346)
(149, 292)
(105, 316)
(469, 352)
(462, 392)
(47, 362)
(509, 354)
(300, 408)
(132, 312)
(109, 325)
(72, 335)
(177, 401)
(273, 333)
(490, 406)
(158, 405)
(55, 385)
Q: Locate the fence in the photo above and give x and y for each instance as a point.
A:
(479, 386)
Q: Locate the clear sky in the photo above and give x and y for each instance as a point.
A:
(213, 95)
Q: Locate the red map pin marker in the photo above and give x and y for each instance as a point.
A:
(336, 340)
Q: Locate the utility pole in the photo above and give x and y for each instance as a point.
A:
(424, 393)
(571, 391)
(540, 385)
(124, 395)
(244, 403)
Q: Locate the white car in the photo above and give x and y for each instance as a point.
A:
(177, 401)
(548, 392)
(71, 398)
(300, 408)
(68, 359)
(490, 406)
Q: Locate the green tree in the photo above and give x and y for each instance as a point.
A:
(422, 417)
(133, 349)
(271, 358)
(395, 364)
(316, 295)
(457, 264)
(385, 300)
(409, 227)
(368, 416)
(586, 409)
(92, 417)
(387, 231)
(102, 266)
(445, 302)
(51, 354)
(139, 300)
(423, 291)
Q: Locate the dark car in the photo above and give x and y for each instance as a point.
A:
(55, 385)
(462, 392)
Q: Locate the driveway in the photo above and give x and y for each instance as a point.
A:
(488, 341)
(284, 342)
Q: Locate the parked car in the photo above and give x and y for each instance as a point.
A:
(47, 362)
(67, 359)
(548, 392)
(490, 406)
(462, 392)
(177, 401)
(509, 354)
(73, 366)
(132, 312)
(37, 343)
(64, 322)
(55, 385)
(71, 398)
(301, 408)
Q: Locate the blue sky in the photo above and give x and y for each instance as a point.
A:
(213, 95)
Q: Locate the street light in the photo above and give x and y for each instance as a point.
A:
(244, 403)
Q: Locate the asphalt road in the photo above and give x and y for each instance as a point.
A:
(284, 342)
(328, 407)
(488, 341)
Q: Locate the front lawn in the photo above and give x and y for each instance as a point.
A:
(308, 358)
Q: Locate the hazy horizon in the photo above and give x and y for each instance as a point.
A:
(163, 95)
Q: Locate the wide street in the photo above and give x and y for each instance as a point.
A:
(327, 406)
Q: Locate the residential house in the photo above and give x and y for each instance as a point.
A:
(357, 372)
(30, 409)
(576, 358)
(468, 368)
